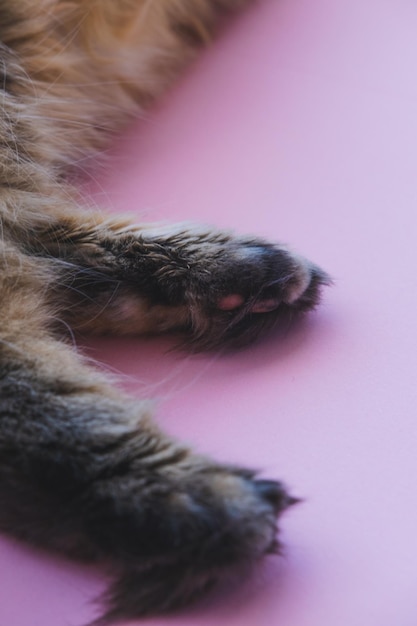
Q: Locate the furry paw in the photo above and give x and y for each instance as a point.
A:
(220, 522)
(218, 288)
(242, 287)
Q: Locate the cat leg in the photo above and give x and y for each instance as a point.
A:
(216, 287)
(84, 471)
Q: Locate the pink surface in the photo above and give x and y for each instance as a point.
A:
(299, 124)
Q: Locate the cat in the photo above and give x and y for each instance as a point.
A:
(83, 468)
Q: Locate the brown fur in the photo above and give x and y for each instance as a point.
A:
(83, 469)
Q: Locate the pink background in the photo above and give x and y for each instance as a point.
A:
(300, 124)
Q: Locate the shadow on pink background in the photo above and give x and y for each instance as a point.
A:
(299, 124)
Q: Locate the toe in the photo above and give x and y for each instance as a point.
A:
(309, 297)
(265, 306)
(276, 494)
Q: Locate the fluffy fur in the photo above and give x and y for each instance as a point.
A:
(83, 469)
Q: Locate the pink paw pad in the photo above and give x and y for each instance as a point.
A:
(234, 301)
(231, 302)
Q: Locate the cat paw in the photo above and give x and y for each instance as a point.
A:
(246, 287)
(218, 288)
(221, 522)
